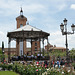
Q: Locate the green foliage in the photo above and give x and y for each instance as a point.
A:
(72, 52)
(73, 64)
(34, 70)
(53, 72)
(23, 70)
(9, 67)
(3, 66)
(0, 52)
(2, 57)
(57, 53)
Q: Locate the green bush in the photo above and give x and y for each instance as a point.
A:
(0, 51)
(23, 70)
(3, 66)
(53, 72)
(9, 67)
(73, 64)
(34, 70)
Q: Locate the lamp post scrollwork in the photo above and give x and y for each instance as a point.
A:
(64, 31)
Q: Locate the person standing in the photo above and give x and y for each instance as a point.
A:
(58, 63)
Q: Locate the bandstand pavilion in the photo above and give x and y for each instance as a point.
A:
(24, 33)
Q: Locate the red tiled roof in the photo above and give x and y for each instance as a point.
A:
(59, 48)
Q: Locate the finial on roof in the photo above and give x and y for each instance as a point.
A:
(21, 11)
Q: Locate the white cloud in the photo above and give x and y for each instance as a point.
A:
(73, 6)
(61, 7)
(39, 12)
(11, 7)
(59, 40)
(34, 8)
(2, 38)
(55, 6)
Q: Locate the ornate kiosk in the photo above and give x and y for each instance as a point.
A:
(26, 33)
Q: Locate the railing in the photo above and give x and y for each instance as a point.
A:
(29, 58)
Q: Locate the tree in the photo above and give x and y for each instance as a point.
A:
(57, 53)
(72, 54)
(0, 52)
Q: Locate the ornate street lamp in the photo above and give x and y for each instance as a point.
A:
(63, 28)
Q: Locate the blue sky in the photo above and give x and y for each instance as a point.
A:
(43, 14)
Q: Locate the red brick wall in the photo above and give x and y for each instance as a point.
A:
(23, 22)
(33, 45)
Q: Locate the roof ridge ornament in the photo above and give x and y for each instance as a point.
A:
(21, 12)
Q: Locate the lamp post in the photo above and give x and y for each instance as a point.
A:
(3, 56)
(3, 51)
(64, 31)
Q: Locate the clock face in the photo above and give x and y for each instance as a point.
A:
(21, 25)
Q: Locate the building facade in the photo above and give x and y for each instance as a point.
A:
(54, 48)
(12, 51)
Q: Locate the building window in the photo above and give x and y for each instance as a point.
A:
(35, 48)
(35, 44)
(21, 25)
